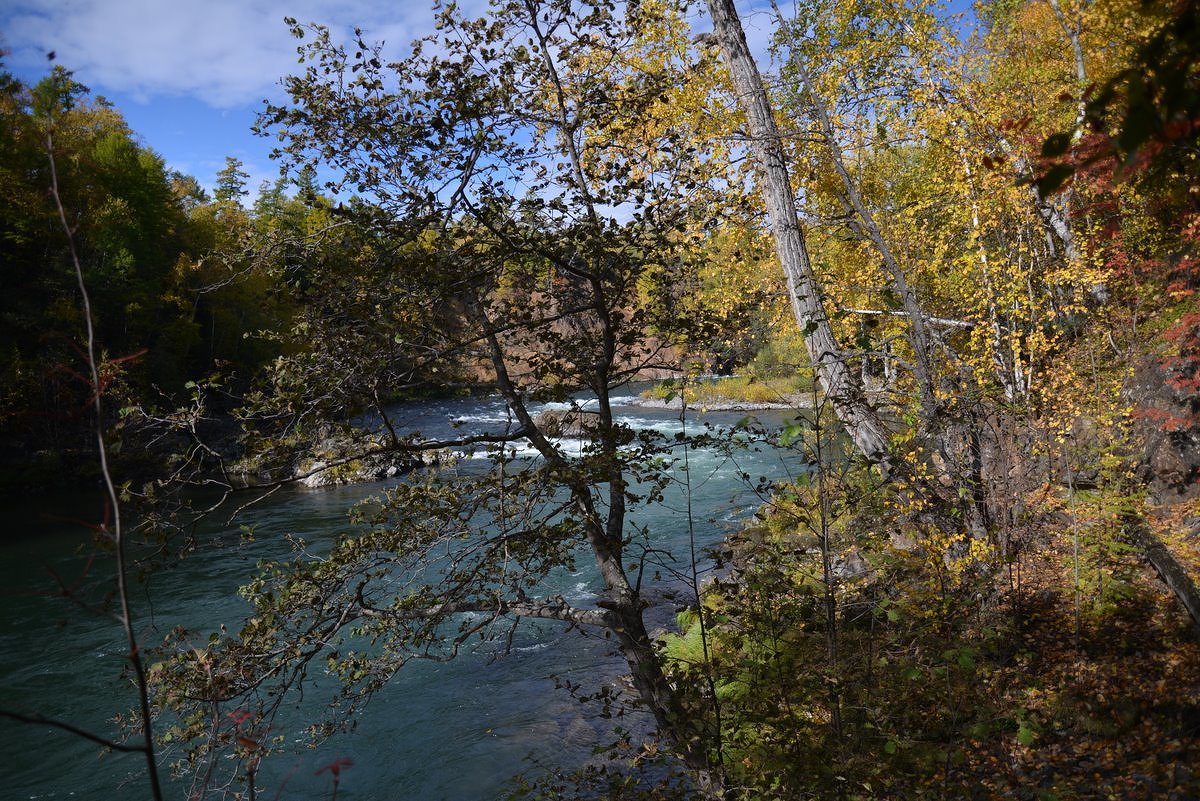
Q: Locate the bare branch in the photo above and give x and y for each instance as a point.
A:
(945, 322)
(116, 531)
(551, 608)
(41, 720)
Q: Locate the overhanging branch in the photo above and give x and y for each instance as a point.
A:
(550, 608)
(945, 322)
(42, 720)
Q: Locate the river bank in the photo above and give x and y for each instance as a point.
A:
(718, 404)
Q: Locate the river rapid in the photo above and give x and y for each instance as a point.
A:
(457, 730)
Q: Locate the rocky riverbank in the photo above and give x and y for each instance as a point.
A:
(377, 465)
(726, 404)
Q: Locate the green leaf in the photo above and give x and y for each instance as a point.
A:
(791, 433)
(966, 661)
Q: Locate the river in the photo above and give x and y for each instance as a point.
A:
(457, 730)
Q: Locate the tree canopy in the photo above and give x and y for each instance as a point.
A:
(984, 240)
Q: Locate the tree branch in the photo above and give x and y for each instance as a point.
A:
(42, 720)
(554, 607)
(945, 322)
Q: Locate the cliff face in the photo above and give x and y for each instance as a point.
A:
(1170, 458)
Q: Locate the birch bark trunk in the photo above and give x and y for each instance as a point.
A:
(918, 334)
(843, 387)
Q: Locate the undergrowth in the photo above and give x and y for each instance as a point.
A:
(902, 672)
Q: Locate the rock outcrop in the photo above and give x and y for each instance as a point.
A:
(346, 458)
(574, 423)
(1170, 457)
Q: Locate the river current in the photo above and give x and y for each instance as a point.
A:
(457, 730)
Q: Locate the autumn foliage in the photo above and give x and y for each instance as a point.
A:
(974, 243)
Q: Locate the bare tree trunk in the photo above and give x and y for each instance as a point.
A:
(1172, 572)
(1074, 33)
(624, 606)
(805, 291)
(918, 334)
(1073, 30)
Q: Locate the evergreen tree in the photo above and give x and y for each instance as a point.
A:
(231, 182)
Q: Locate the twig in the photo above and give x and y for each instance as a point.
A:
(42, 720)
(116, 532)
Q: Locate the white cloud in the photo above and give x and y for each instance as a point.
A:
(758, 23)
(227, 53)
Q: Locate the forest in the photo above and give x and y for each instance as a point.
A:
(957, 248)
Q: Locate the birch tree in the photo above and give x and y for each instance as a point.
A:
(804, 287)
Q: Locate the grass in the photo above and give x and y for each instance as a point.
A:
(745, 389)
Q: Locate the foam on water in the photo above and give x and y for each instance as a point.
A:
(581, 591)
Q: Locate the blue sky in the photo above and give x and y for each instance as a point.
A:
(190, 76)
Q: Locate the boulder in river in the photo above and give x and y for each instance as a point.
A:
(325, 468)
(575, 423)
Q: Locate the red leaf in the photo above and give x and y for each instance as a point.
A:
(238, 716)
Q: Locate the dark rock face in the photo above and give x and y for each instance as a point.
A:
(1170, 458)
(1173, 465)
(574, 423)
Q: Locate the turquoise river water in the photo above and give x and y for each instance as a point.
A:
(458, 730)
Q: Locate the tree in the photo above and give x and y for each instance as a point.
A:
(231, 182)
(864, 220)
(804, 288)
(53, 97)
(130, 225)
(508, 196)
(857, 78)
